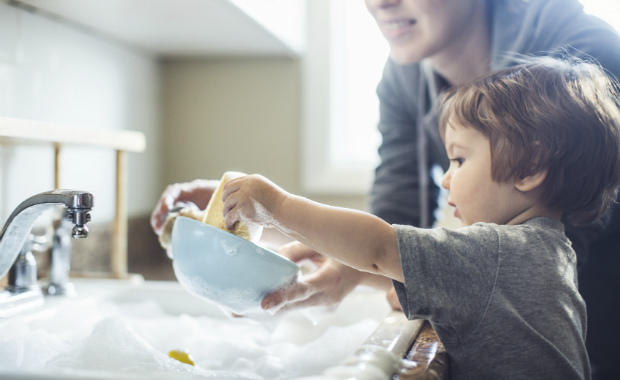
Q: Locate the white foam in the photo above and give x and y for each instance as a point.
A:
(268, 219)
(229, 248)
(134, 339)
(235, 298)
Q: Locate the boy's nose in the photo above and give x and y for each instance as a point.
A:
(445, 180)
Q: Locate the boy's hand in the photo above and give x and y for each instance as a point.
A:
(253, 198)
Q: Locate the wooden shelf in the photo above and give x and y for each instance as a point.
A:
(20, 131)
(27, 132)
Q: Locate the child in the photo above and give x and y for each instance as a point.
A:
(528, 146)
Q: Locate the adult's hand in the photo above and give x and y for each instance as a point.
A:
(326, 286)
(197, 192)
(393, 300)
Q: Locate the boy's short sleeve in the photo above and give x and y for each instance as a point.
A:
(449, 274)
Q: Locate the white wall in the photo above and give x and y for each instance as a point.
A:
(239, 114)
(56, 73)
(231, 114)
(218, 114)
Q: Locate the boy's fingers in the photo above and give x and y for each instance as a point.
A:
(230, 219)
(228, 205)
(229, 188)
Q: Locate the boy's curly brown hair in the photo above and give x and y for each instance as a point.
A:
(547, 114)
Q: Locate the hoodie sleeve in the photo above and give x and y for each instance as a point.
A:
(395, 192)
(547, 26)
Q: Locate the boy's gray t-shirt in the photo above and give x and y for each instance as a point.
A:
(502, 299)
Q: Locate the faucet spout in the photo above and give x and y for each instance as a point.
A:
(19, 223)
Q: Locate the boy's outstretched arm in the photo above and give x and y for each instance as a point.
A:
(356, 238)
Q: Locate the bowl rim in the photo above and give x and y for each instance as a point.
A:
(234, 237)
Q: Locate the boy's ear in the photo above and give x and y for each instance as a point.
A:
(531, 182)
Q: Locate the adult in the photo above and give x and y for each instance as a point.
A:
(435, 44)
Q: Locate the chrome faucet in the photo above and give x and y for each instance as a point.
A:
(17, 229)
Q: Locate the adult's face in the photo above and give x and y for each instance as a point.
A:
(419, 29)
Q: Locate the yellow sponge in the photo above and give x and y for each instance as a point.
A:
(181, 356)
(214, 214)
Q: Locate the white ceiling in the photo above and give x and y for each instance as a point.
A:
(171, 27)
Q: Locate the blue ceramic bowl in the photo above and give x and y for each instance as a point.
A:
(226, 269)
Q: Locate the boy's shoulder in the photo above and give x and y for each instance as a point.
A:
(531, 231)
(483, 230)
(485, 243)
(534, 225)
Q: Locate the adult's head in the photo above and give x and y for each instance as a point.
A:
(448, 33)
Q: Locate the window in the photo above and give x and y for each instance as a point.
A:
(345, 58)
(358, 54)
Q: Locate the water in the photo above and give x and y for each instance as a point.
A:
(95, 337)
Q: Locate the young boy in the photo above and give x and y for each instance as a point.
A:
(528, 145)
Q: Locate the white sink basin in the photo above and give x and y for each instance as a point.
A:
(125, 329)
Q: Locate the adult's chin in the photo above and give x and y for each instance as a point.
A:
(405, 54)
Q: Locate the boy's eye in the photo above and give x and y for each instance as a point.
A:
(458, 161)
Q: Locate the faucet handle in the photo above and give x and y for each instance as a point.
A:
(23, 274)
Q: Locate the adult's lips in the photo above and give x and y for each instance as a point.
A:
(395, 28)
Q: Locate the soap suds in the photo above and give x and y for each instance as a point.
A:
(268, 220)
(229, 247)
(104, 338)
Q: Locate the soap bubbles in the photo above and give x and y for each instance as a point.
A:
(99, 338)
